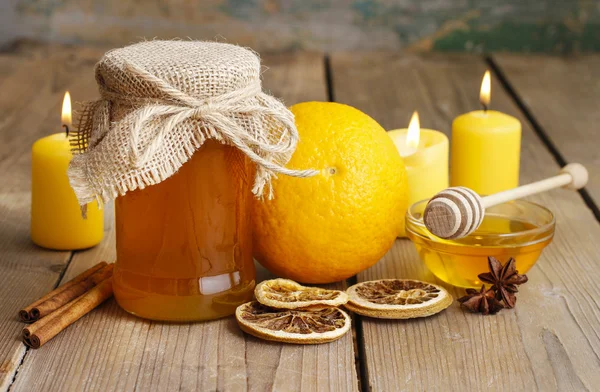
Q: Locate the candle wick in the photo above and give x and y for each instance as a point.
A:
(66, 127)
(485, 107)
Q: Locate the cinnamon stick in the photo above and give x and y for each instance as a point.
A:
(40, 332)
(60, 296)
(66, 296)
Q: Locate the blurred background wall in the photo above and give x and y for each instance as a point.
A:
(557, 26)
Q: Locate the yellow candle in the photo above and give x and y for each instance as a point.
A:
(425, 157)
(486, 148)
(56, 221)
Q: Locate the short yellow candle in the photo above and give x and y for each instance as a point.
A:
(486, 148)
(425, 157)
(56, 221)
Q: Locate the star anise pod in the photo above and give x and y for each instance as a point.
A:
(482, 301)
(504, 280)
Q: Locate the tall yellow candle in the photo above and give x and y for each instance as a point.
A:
(486, 148)
(56, 221)
(425, 154)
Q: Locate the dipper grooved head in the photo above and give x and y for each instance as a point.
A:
(454, 213)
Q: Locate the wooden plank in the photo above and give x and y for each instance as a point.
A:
(112, 350)
(551, 340)
(32, 89)
(563, 94)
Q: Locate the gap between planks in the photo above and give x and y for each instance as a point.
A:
(360, 354)
(538, 128)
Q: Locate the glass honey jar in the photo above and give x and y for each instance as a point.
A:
(182, 138)
(184, 245)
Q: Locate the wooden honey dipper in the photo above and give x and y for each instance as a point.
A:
(458, 211)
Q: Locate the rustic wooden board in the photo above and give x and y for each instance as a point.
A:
(551, 340)
(563, 94)
(111, 350)
(32, 86)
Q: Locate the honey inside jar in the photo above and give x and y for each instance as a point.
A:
(516, 229)
(184, 246)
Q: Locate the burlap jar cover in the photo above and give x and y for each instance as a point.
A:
(161, 100)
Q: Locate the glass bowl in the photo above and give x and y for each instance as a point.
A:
(518, 229)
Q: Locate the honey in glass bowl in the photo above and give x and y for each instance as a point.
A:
(184, 246)
(518, 229)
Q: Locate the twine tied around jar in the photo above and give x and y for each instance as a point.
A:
(160, 101)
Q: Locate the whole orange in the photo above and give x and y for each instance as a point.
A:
(331, 226)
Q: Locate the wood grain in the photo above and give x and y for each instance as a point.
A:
(111, 350)
(551, 340)
(32, 87)
(563, 94)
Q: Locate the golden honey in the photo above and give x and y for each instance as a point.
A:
(517, 229)
(184, 245)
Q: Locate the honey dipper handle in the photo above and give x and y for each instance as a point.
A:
(572, 176)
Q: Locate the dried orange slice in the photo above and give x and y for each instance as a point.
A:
(397, 298)
(303, 326)
(287, 294)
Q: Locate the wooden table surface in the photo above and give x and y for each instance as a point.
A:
(550, 341)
